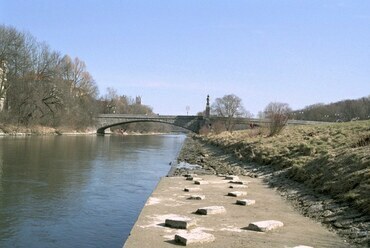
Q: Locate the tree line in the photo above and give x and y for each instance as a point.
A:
(40, 86)
(342, 111)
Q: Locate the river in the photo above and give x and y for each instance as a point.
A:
(78, 191)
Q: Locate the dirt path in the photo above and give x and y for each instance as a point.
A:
(229, 228)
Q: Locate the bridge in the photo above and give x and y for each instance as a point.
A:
(192, 123)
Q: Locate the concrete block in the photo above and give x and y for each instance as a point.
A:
(194, 238)
(197, 197)
(190, 175)
(194, 179)
(232, 177)
(211, 210)
(237, 186)
(238, 182)
(264, 226)
(192, 189)
(237, 193)
(200, 182)
(180, 222)
(245, 202)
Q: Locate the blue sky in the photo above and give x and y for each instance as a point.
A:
(173, 53)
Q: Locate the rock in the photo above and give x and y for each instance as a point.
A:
(194, 237)
(180, 222)
(264, 226)
(200, 182)
(211, 210)
(237, 193)
(232, 177)
(302, 246)
(238, 186)
(192, 189)
(245, 202)
(197, 197)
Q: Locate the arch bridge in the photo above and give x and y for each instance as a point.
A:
(190, 122)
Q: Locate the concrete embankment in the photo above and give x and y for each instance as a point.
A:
(229, 228)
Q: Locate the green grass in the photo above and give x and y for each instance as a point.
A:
(333, 159)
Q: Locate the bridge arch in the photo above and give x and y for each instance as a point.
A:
(101, 130)
(191, 123)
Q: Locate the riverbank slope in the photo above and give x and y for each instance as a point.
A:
(323, 170)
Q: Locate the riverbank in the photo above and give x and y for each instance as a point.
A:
(228, 229)
(225, 154)
(14, 130)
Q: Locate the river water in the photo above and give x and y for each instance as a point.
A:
(78, 191)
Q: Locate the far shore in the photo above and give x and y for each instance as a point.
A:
(21, 131)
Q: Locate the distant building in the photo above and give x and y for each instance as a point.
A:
(138, 100)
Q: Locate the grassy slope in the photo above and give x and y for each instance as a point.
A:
(332, 159)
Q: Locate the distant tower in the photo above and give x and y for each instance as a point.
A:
(138, 100)
(208, 109)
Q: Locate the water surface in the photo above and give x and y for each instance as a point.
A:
(78, 191)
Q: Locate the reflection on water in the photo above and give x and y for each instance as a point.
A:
(75, 191)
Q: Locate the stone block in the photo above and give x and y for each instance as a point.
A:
(232, 177)
(180, 222)
(192, 189)
(264, 226)
(197, 197)
(237, 193)
(194, 238)
(245, 202)
(194, 179)
(211, 210)
(200, 182)
(237, 186)
(190, 175)
(238, 182)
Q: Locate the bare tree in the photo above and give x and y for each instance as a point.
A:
(3, 83)
(278, 114)
(229, 107)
